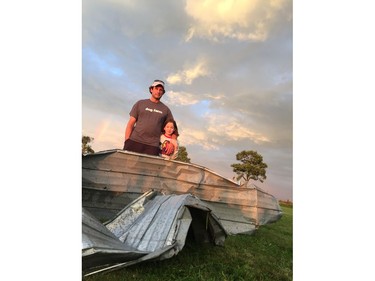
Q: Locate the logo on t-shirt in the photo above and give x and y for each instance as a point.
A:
(154, 110)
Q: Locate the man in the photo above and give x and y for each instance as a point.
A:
(142, 133)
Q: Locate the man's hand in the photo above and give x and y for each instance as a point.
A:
(169, 148)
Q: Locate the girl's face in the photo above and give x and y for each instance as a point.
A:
(169, 128)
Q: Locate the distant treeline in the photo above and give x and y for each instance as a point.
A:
(286, 203)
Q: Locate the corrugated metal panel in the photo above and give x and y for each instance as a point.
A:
(153, 226)
(110, 178)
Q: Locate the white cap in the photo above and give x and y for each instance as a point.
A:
(157, 83)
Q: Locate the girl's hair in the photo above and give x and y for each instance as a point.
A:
(174, 125)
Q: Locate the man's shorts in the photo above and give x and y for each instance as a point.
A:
(134, 146)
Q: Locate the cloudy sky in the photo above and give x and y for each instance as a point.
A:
(228, 70)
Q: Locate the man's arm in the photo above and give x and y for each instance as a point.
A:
(129, 127)
(175, 152)
(169, 148)
(172, 149)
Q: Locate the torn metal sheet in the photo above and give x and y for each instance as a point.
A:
(100, 246)
(154, 226)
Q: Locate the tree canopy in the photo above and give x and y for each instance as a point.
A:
(86, 148)
(182, 155)
(252, 166)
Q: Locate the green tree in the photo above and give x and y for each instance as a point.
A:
(183, 155)
(252, 166)
(86, 148)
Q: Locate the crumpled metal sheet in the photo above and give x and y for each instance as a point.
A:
(154, 226)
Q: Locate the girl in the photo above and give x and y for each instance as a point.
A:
(169, 137)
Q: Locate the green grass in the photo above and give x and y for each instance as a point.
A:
(265, 255)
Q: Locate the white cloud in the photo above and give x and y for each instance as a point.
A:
(180, 98)
(217, 130)
(190, 73)
(232, 129)
(241, 20)
(191, 136)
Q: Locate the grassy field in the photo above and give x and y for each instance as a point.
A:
(265, 255)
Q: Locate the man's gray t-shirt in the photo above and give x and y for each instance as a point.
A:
(150, 118)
